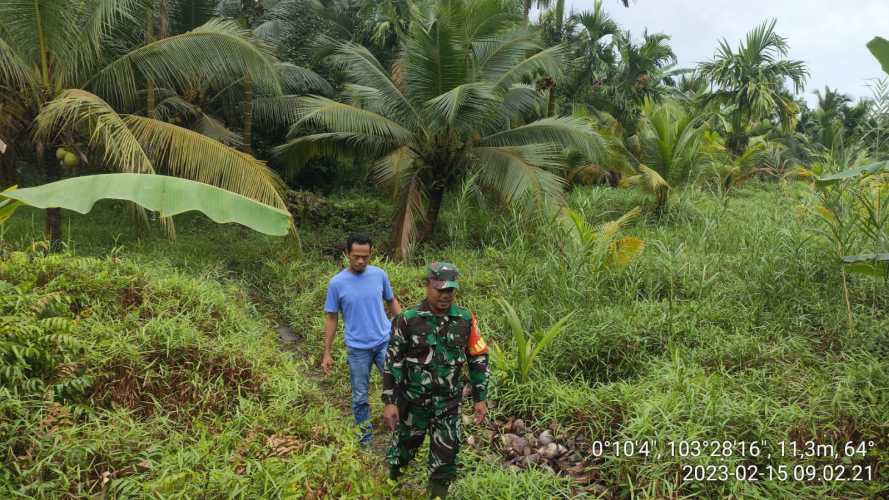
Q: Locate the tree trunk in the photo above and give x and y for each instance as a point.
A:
(248, 115)
(163, 26)
(7, 168)
(151, 104)
(560, 19)
(527, 9)
(436, 195)
(551, 105)
(53, 225)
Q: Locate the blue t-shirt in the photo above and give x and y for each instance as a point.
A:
(360, 298)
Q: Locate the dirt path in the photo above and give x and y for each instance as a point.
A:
(507, 440)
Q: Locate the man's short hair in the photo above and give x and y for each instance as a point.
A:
(357, 239)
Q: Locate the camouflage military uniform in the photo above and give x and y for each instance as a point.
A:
(423, 376)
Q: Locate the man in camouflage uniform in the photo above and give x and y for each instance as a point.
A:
(423, 379)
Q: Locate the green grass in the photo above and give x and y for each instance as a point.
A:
(731, 326)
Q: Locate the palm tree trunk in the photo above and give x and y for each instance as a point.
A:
(527, 6)
(7, 168)
(436, 195)
(163, 26)
(560, 19)
(163, 31)
(53, 224)
(151, 104)
(551, 105)
(248, 115)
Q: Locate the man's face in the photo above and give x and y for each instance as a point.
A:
(439, 300)
(359, 256)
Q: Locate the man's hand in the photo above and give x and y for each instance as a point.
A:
(481, 411)
(326, 363)
(390, 416)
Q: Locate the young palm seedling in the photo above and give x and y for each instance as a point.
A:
(526, 346)
(601, 246)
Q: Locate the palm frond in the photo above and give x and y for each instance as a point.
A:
(469, 102)
(274, 112)
(215, 129)
(393, 168)
(340, 117)
(363, 67)
(565, 131)
(79, 110)
(300, 80)
(218, 49)
(343, 145)
(516, 171)
(188, 154)
(496, 56)
(609, 230)
(650, 182)
(433, 60)
(101, 21)
(173, 105)
(15, 72)
(548, 61)
(626, 250)
(35, 28)
(522, 100)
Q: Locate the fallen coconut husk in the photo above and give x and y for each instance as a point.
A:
(545, 438)
(549, 450)
(518, 426)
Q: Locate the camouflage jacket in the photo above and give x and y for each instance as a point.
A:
(426, 355)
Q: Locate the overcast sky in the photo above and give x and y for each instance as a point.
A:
(829, 35)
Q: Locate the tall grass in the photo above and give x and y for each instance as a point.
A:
(730, 325)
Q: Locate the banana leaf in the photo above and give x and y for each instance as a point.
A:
(879, 47)
(163, 194)
(871, 264)
(851, 173)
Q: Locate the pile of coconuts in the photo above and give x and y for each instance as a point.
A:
(549, 449)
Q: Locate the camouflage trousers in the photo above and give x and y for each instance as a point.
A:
(444, 439)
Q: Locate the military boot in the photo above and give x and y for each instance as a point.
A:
(394, 472)
(438, 489)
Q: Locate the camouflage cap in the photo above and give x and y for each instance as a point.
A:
(442, 275)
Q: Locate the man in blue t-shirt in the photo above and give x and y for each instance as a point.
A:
(358, 291)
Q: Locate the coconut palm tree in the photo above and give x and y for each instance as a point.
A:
(671, 140)
(751, 80)
(448, 110)
(76, 76)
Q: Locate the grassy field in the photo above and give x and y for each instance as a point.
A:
(150, 367)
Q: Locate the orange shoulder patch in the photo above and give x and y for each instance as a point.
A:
(476, 345)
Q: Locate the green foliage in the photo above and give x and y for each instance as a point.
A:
(618, 76)
(751, 81)
(879, 47)
(526, 347)
(852, 206)
(168, 196)
(36, 343)
(672, 140)
(728, 327)
(121, 378)
(72, 72)
(449, 111)
(600, 247)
